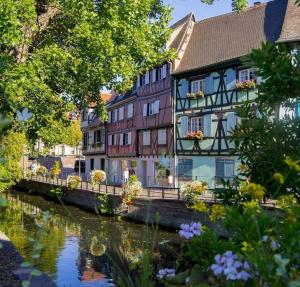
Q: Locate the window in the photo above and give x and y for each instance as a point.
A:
(125, 139)
(246, 75)
(92, 164)
(198, 86)
(159, 73)
(151, 109)
(195, 124)
(129, 111)
(224, 169)
(162, 136)
(85, 139)
(112, 140)
(115, 115)
(143, 80)
(97, 136)
(146, 137)
(185, 168)
(121, 114)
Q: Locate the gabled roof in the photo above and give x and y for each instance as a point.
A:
(178, 31)
(233, 35)
(291, 25)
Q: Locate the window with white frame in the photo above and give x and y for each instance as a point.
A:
(146, 137)
(97, 136)
(85, 139)
(159, 73)
(195, 124)
(198, 86)
(127, 138)
(130, 110)
(113, 140)
(247, 75)
(162, 136)
(151, 108)
(121, 113)
(143, 80)
(224, 169)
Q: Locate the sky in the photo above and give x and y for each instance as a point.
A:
(201, 11)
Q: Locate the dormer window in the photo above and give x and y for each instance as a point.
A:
(247, 75)
(197, 86)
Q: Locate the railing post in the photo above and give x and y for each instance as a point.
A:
(178, 193)
(86, 185)
(99, 188)
(163, 192)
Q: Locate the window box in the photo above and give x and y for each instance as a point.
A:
(195, 135)
(194, 96)
(247, 85)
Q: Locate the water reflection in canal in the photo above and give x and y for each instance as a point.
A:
(79, 246)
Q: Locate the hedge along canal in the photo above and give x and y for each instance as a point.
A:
(80, 248)
(167, 213)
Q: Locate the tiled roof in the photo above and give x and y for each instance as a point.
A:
(231, 36)
(182, 25)
(121, 98)
(291, 25)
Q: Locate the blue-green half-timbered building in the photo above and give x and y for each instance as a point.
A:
(209, 84)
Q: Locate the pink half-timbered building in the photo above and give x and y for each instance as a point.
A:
(121, 137)
(154, 113)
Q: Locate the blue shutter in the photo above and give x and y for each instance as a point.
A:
(184, 126)
(207, 125)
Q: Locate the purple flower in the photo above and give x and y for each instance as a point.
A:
(163, 273)
(229, 266)
(188, 231)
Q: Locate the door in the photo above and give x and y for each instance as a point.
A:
(143, 178)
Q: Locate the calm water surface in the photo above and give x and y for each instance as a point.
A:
(79, 247)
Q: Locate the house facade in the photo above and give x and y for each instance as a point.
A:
(155, 113)
(94, 138)
(121, 137)
(209, 84)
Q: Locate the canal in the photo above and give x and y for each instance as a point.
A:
(79, 248)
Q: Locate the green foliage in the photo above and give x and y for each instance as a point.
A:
(202, 249)
(239, 5)
(55, 171)
(58, 192)
(105, 206)
(264, 140)
(56, 55)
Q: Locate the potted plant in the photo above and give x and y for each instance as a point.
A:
(191, 191)
(131, 189)
(191, 96)
(55, 171)
(97, 176)
(73, 181)
(41, 171)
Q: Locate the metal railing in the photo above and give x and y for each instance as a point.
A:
(105, 188)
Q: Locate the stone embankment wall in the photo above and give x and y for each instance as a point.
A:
(166, 213)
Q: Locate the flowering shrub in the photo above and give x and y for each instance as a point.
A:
(41, 171)
(195, 135)
(247, 85)
(164, 273)
(73, 181)
(188, 231)
(55, 171)
(230, 267)
(191, 191)
(131, 189)
(97, 176)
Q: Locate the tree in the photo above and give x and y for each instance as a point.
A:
(268, 145)
(55, 55)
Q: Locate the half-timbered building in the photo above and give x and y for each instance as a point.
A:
(94, 138)
(154, 113)
(121, 137)
(211, 81)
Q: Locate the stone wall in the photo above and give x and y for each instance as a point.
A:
(167, 213)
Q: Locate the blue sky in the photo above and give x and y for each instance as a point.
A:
(201, 11)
